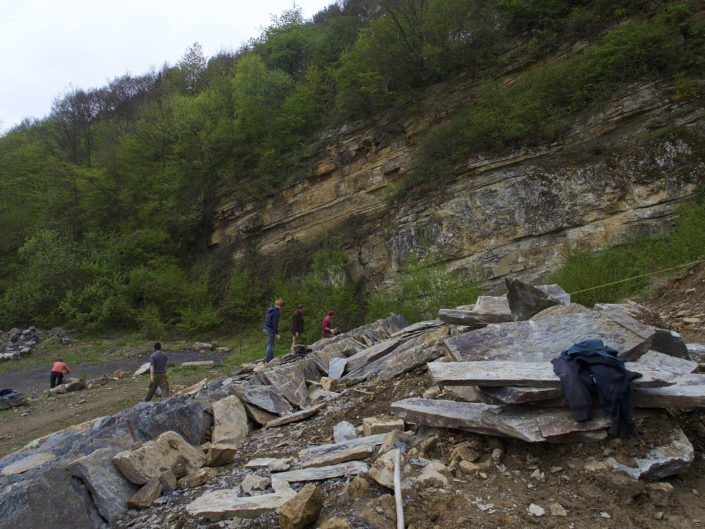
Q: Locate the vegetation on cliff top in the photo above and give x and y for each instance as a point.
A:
(105, 205)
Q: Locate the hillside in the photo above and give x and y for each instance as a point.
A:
(328, 157)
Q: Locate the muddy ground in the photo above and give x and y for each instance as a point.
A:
(499, 497)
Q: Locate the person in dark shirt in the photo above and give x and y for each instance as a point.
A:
(271, 327)
(157, 373)
(297, 325)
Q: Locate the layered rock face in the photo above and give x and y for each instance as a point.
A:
(518, 214)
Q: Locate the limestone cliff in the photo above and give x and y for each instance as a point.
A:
(620, 169)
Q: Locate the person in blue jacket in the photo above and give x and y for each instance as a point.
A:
(271, 327)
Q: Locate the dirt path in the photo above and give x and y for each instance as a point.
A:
(29, 380)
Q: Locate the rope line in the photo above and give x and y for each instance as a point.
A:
(637, 277)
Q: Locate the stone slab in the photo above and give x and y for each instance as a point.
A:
(320, 473)
(322, 450)
(663, 461)
(518, 395)
(336, 367)
(531, 374)
(290, 383)
(687, 391)
(370, 354)
(465, 416)
(27, 463)
(264, 397)
(225, 504)
(544, 339)
(341, 456)
(665, 363)
(229, 421)
(295, 417)
(200, 363)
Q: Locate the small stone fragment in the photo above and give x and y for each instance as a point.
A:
(335, 523)
(536, 510)
(557, 510)
(344, 431)
(359, 488)
(254, 482)
(329, 383)
(196, 479)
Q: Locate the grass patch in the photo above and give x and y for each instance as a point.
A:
(624, 269)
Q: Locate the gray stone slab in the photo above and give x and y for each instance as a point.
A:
(444, 414)
(259, 415)
(332, 448)
(290, 383)
(341, 456)
(336, 366)
(366, 356)
(687, 391)
(525, 300)
(544, 339)
(405, 359)
(663, 461)
(665, 363)
(518, 395)
(225, 504)
(295, 417)
(264, 397)
(108, 487)
(530, 374)
(471, 318)
(696, 351)
(417, 327)
(319, 473)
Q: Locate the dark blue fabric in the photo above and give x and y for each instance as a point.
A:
(591, 347)
(269, 354)
(7, 393)
(271, 319)
(588, 368)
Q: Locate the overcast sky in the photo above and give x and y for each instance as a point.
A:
(49, 46)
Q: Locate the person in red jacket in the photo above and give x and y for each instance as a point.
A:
(327, 325)
(58, 370)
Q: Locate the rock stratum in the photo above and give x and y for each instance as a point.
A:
(621, 169)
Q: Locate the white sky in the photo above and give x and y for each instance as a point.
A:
(49, 46)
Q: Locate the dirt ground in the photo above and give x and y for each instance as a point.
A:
(542, 474)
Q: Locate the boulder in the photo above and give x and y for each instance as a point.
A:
(53, 499)
(144, 498)
(230, 421)
(303, 509)
(108, 487)
(169, 451)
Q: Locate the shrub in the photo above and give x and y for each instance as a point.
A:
(420, 289)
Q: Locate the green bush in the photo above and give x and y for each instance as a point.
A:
(625, 270)
(421, 289)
